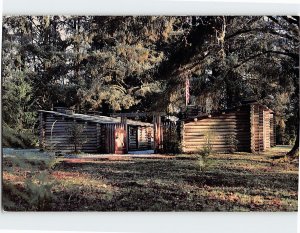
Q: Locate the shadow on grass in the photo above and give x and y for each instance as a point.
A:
(174, 185)
(172, 171)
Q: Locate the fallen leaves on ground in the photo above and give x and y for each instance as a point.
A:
(231, 182)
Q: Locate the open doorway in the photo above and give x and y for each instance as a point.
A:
(144, 132)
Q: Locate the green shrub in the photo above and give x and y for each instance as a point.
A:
(39, 191)
(172, 146)
(171, 138)
(202, 159)
(18, 138)
(205, 151)
(52, 163)
(35, 194)
(232, 142)
(76, 135)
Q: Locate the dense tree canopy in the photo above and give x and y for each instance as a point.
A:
(141, 63)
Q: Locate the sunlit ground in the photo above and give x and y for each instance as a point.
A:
(227, 182)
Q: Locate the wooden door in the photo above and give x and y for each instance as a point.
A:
(120, 140)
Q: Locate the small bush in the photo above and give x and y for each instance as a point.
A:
(171, 139)
(76, 136)
(172, 146)
(53, 163)
(232, 142)
(39, 191)
(18, 138)
(205, 151)
(35, 193)
(202, 159)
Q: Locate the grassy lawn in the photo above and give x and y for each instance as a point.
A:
(228, 182)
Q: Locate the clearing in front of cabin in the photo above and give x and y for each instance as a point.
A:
(223, 182)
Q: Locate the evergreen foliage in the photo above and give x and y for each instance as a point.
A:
(113, 63)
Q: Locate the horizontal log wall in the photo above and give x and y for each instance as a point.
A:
(96, 137)
(221, 130)
(57, 134)
(133, 137)
(145, 135)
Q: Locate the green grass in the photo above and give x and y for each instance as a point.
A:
(230, 182)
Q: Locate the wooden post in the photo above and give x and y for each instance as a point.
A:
(124, 123)
(161, 136)
(274, 130)
(157, 132)
(154, 133)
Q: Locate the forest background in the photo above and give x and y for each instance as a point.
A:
(128, 64)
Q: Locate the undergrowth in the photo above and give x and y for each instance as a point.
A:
(34, 191)
(18, 138)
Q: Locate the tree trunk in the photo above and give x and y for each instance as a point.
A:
(295, 150)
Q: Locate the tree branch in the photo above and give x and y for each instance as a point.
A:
(294, 20)
(292, 55)
(239, 32)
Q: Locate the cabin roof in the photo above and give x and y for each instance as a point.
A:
(97, 119)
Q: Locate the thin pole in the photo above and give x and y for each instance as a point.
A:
(187, 91)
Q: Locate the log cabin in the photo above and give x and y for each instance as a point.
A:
(65, 131)
(249, 128)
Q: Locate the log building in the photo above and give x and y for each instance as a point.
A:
(250, 127)
(62, 129)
